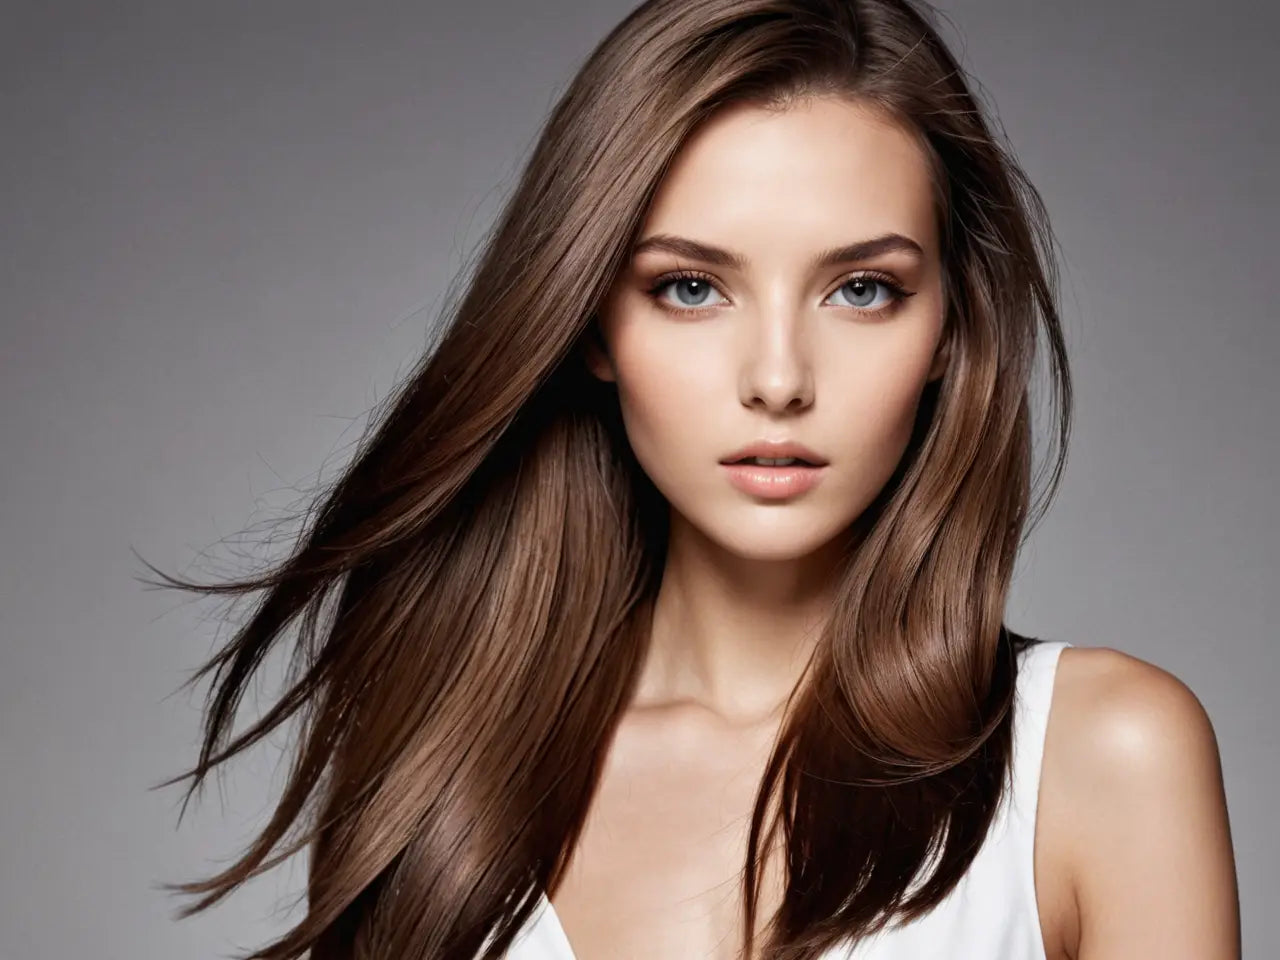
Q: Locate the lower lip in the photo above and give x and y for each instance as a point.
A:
(773, 483)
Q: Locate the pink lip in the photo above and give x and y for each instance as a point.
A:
(774, 483)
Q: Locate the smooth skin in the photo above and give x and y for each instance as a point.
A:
(1133, 852)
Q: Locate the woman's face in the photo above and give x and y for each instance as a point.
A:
(732, 325)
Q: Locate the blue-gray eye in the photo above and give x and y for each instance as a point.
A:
(695, 289)
(863, 290)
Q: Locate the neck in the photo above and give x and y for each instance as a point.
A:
(733, 635)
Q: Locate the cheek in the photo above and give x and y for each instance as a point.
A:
(666, 387)
(879, 402)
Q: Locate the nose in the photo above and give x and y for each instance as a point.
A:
(777, 374)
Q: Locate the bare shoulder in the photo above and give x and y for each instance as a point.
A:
(1131, 709)
(1120, 722)
(1133, 815)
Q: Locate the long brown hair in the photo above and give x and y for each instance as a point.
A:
(472, 596)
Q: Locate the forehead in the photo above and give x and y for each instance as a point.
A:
(820, 172)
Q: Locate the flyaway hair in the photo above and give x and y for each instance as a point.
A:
(468, 604)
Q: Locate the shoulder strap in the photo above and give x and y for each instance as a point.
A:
(1034, 692)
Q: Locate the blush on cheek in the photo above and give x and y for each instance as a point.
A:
(889, 421)
(657, 434)
(667, 385)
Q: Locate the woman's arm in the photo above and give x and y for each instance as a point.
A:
(1133, 762)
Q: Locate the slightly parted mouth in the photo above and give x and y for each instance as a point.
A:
(776, 450)
(795, 460)
(750, 461)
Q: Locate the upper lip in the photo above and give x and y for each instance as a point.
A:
(776, 449)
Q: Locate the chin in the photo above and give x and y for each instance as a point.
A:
(769, 552)
(782, 537)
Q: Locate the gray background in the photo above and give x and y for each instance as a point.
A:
(227, 227)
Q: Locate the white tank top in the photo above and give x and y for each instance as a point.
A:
(990, 913)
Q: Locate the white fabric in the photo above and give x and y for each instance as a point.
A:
(991, 914)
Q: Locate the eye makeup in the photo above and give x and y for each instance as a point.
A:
(897, 294)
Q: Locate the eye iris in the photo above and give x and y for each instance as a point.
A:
(867, 285)
(699, 284)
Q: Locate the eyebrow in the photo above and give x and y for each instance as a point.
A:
(706, 253)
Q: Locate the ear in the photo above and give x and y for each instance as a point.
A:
(596, 354)
(941, 358)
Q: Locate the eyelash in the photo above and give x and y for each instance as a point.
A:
(896, 292)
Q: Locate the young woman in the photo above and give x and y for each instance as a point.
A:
(662, 613)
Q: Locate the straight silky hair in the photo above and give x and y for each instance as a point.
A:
(472, 597)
